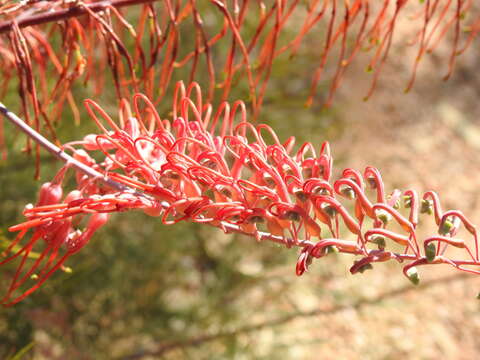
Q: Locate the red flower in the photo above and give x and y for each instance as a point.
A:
(201, 167)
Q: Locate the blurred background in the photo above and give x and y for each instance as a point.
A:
(141, 290)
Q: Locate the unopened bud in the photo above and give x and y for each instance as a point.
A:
(72, 196)
(90, 142)
(50, 194)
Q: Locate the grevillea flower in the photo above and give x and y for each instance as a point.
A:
(200, 166)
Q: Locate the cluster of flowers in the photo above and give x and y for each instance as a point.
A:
(216, 168)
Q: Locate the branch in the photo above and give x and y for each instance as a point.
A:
(64, 14)
(56, 151)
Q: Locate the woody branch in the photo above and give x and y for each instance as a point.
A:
(76, 9)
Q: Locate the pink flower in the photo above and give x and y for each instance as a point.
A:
(201, 167)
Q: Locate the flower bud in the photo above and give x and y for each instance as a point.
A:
(90, 142)
(49, 194)
(72, 196)
(83, 157)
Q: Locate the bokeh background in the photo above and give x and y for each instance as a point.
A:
(141, 290)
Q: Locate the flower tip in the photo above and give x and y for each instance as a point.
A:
(364, 268)
(379, 241)
(445, 227)
(430, 252)
(412, 274)
(332, 249)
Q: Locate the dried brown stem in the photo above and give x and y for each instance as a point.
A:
(73, 11)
